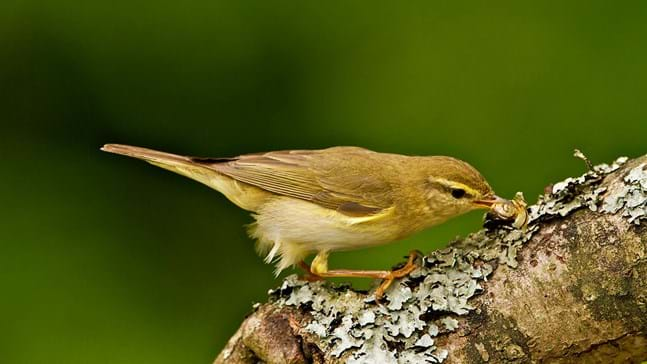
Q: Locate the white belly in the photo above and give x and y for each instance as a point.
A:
(294, 228)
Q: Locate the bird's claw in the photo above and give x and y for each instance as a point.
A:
(409, 267)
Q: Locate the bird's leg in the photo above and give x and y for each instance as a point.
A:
(319, 267)
(308, 276)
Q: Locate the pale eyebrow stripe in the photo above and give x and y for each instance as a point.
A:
(448, 185)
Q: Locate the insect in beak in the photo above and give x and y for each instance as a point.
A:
(514, 211)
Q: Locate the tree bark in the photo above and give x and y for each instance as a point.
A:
(572, 288)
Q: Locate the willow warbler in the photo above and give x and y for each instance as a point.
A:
(340, 198)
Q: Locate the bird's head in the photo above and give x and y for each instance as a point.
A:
(454, 187)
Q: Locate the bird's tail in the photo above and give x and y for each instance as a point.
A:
(186, 166)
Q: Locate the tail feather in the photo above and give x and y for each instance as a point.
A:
(202, 170)
(146, 154)
(179, 164)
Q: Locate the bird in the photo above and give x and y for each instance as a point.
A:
(307, 202)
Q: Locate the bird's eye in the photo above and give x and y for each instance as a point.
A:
(458, 192)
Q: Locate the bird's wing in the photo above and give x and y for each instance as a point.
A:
(336, 178)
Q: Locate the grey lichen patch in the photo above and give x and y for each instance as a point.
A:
(425, 341)
(630, 197)
(434, 298)
(450, 323)
(574, 193)
(401, 329)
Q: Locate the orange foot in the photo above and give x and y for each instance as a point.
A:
(387, 276)
(398, 273)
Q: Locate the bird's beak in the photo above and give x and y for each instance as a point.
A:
(489, 201)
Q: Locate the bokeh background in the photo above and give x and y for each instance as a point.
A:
(108, 260)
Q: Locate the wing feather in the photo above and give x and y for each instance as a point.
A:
(336, 178)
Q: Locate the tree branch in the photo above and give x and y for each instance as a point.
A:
(572, 288)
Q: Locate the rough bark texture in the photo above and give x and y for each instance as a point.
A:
(570, 289)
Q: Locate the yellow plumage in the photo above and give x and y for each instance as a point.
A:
(341, 198)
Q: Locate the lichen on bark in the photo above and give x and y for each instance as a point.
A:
(569, 288)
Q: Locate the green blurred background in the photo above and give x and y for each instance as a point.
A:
(108, 260)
